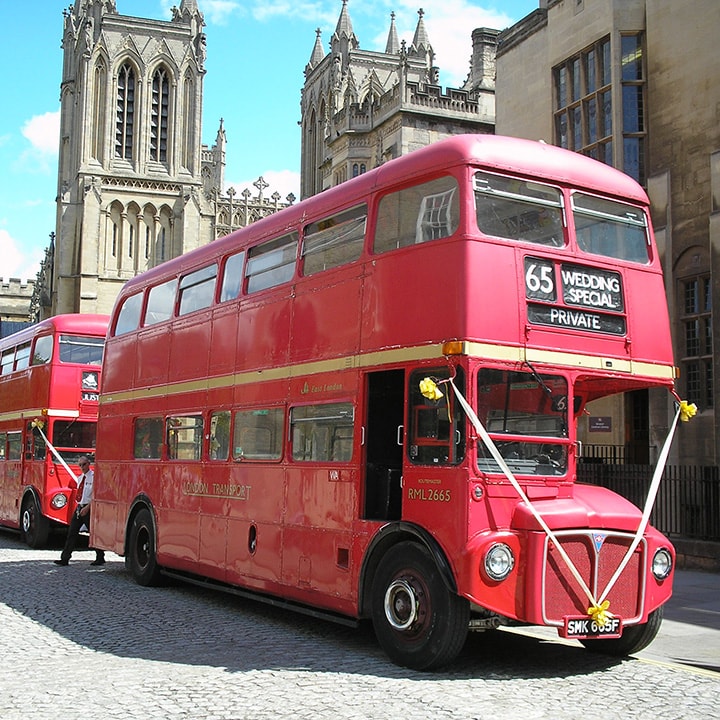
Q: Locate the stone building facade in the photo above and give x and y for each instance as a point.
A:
(135, 184)
(361, 108)
(15, 297)
(636, 83)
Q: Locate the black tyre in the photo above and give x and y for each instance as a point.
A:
(634, 638)
(34, 526)
(418, 622)
(140, 559)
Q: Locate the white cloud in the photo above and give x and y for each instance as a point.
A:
(17, 264)
(281, 181)
(43, 132)
(449, 26)
(217, 12)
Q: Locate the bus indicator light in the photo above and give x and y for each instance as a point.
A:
(453, 347)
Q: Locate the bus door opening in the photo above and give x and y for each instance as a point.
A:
(383, 450)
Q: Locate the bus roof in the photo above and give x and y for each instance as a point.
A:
(518, 156)
(77, 323)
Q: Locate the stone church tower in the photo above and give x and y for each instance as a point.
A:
(133, 184)
(361, 108)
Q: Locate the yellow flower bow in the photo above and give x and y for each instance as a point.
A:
(599, 613)
(687, 410)
(429, 389)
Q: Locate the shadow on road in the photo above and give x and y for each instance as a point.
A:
(104, 610)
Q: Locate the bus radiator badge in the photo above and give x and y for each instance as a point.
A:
(598, 540)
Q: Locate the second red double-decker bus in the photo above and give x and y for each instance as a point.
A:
(367, 403)
(49, 389)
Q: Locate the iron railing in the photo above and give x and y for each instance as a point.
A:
(687, 503)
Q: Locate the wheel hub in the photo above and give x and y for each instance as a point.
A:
(401, 604)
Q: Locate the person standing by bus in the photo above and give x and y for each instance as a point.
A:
(81, 516)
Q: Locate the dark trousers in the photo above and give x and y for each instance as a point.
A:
(72, 535)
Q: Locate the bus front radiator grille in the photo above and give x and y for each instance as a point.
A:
(596, 555)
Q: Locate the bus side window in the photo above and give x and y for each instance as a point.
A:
(334, 241)
(34, 444)
(232, 277)
(148, 438)
(429, 211)
(322, 433)
(258, 434)
(14, 445)
(3, 441)
(184, 437)
(219, 435)
(437, 427)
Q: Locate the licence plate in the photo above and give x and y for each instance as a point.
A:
(578, 628)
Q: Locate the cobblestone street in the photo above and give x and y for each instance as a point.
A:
(89, 642)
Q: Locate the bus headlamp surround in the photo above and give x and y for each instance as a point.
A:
(59, 501)
(499, 561)
(662, 564)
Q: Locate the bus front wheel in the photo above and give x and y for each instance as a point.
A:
(418, 621)
(35, 527)
(634, 638)
(140, 559)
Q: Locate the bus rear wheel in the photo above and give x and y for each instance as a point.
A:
(634, 638)
(34, 526)
(140, 559)
(418, 621)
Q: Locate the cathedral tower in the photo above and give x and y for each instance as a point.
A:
(130, 174)
(361, 108)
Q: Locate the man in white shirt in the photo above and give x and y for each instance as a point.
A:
(81, 516)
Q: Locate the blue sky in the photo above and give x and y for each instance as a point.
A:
(257, 52)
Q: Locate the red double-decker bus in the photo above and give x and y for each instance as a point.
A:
(297, 410)
(49, 389)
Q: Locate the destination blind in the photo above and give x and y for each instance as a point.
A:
(592, 298)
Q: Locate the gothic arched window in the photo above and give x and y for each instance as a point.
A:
(159, 115)
(125, 113)
(188, 118)
(99, 90)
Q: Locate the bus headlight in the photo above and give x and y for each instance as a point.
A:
(499, 561)
(59, 501)
(661, 564)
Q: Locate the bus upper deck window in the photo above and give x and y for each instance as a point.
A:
(429, 211)
(197, 290)
(129, 317)
(8, 360)
(22, 356)
(334, 241)
(43, 350)
(161, 302)
(271, 263)
(610, 228)
(519, 209)
(232, 276)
